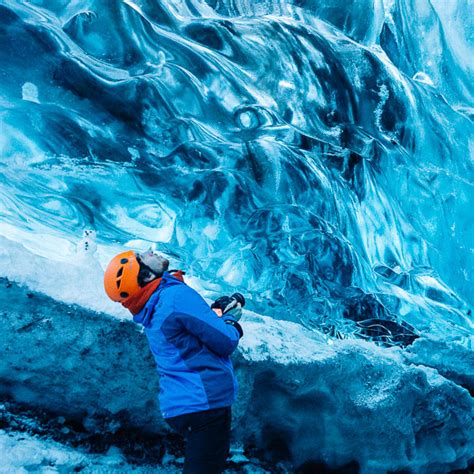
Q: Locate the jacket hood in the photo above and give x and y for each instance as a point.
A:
(145, 315)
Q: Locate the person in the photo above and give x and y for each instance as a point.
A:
(191, 343)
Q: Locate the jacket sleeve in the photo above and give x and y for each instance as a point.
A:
(198, 319)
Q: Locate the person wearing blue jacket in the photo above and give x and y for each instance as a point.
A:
(191, 344)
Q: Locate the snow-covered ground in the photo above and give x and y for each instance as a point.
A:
(22, 453)
(32, 442)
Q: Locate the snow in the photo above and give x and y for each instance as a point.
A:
(21, 453)
(68, 273)
(281, 341)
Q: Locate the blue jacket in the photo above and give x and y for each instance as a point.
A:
(191, 346)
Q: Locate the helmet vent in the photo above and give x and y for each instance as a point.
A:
(118, 283)
(119, 273)
(123, 261)
(124, 294)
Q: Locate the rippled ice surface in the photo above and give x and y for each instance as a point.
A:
(316, 156)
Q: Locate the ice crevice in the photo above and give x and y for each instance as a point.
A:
(416, 403)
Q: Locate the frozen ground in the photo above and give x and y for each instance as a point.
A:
(22, 453)
(34, 441)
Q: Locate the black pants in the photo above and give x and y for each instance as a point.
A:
(207, 435)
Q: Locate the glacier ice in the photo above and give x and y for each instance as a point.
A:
(345, 173)
(315, 156)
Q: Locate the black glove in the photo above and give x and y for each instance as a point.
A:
(230, 305)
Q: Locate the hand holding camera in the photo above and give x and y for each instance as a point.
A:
(229, 305)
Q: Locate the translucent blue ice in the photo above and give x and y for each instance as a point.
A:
(316, 156)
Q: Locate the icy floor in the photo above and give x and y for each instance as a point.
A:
(32, 442)
(23, 453)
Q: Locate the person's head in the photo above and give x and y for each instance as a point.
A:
(130, 271)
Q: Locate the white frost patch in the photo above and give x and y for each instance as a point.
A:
(29, 92)
(281, 341)
(286, 85)
(66, 273)
(134, 153)
(21, 453)
(247, 119)
(232, 270)
(383, 94)
(211, 231)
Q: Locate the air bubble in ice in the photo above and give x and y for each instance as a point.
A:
(248, 119)
(29, 92)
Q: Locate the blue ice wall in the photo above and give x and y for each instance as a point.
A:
(316, 156)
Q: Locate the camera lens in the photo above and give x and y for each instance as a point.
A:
(239, 297)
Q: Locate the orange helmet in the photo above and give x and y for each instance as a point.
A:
(121, 276)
